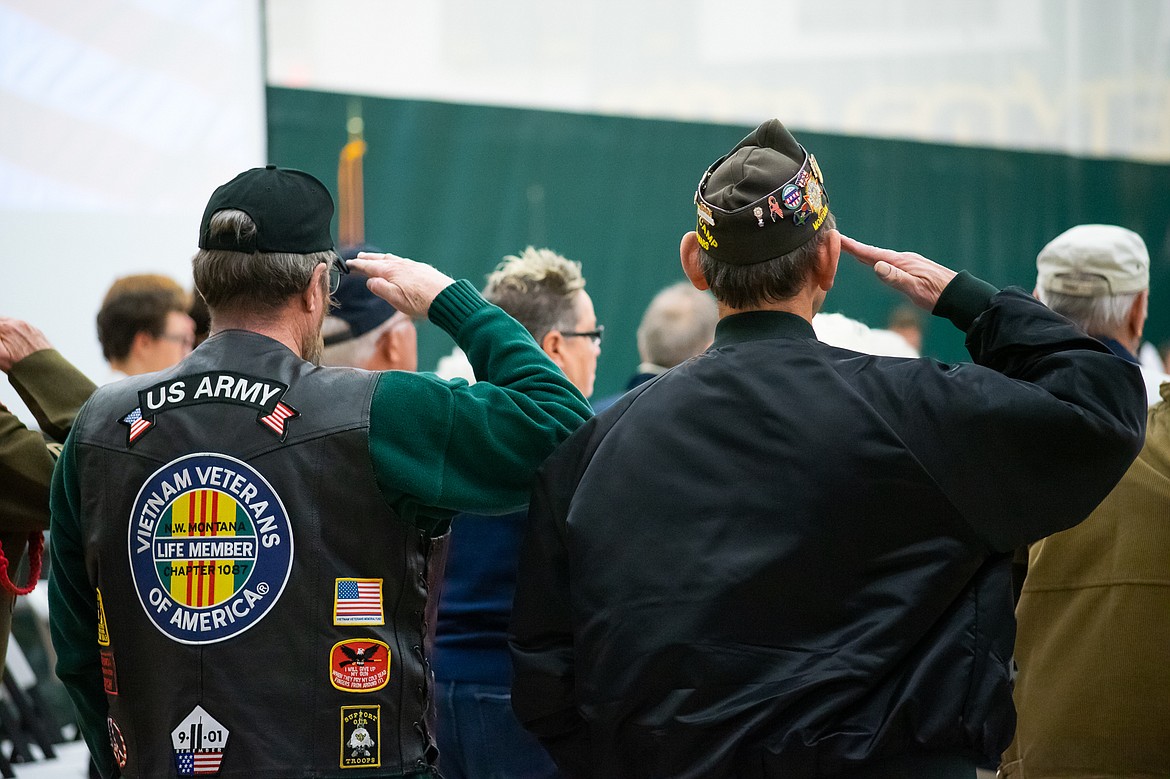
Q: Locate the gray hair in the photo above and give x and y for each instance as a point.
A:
(352, 352)
(678, 324)
(258, 283)
(538, 288)
(744, 286)
(1102, 315)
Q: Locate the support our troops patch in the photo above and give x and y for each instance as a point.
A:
(361, 736)
(211, 548)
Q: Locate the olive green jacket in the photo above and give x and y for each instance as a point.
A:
(1093, 691)
(53, 390)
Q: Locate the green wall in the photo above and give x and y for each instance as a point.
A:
(460, 186)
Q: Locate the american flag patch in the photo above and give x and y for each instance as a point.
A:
(200, 762)
(358, 602)
(281, 414)
(138, 424)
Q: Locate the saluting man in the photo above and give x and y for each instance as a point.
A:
(785, 559)
(222, 527)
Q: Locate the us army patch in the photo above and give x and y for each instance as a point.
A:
(211, 548)
(199, 742)
(361, 736)
(264, 395)
(359, 665)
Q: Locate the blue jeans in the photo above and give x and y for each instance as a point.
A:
(480, 738)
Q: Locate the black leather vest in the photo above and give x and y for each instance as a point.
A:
(265, 613)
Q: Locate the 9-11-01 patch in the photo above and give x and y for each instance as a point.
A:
(199, 742)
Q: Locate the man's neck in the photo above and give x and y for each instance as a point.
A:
(1128, 341)
(804, 304)
(130, 365)
(280, 328)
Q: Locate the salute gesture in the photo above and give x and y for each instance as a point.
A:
(918, 278)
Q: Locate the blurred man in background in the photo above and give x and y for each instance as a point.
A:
(678, 324)
(144, 325)
(478, 735)
(1093, 693)
(364, 331)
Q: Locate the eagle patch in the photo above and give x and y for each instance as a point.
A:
(359, 665)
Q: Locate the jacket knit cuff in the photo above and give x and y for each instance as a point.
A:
(963, 300)
(454, 305)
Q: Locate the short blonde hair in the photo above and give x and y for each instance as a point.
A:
(538, 288)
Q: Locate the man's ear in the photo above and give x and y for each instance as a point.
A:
(688, 251)
(312, 296)
(553, 345)
(1136, 320)
(828, 257)
(143, 340)
(398, 345)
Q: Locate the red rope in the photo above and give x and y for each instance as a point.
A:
(36, 551)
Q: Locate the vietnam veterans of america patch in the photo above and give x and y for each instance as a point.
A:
(210, 546)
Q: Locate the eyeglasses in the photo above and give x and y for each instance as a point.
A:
(336, 268)
(186, 341)
(592, 335)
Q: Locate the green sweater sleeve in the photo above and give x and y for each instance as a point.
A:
(444, 446)
(73, 613)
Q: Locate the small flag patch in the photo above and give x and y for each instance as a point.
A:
(358, 602)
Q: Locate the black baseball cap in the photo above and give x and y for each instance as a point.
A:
(292, 211)
(761, 200)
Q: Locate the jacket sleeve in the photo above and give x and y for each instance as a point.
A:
(1031, 446)
(541, 641)
(53, 390)
(26, 468)
(442, 446)
(73, 613)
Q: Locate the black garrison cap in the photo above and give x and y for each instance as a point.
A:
(763, 199)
